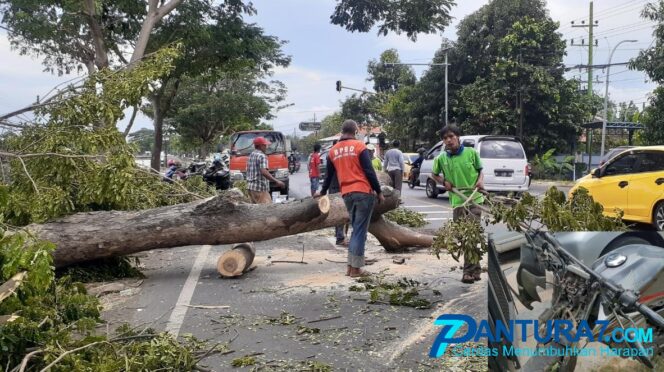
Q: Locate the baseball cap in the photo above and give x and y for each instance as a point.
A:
(371, 147)
(261, 141)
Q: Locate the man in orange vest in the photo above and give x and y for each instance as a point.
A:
(350, 161)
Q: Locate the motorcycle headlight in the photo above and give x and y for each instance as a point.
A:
(237, 176)
(281, 173)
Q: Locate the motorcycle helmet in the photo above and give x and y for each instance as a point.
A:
(421, 150)
(170, 162)
(371, 147)
(217, 157)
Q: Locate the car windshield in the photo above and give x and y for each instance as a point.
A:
(613, 152)
(501, 149)
(243, 143)
(413, 157)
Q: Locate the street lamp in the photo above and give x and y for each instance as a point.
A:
(606, 94)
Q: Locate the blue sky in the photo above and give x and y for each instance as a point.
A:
(323, 53)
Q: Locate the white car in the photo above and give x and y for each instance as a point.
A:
(504, 163)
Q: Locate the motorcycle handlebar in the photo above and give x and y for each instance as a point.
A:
(651, 315)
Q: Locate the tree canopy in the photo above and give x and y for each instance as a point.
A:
(400, 16)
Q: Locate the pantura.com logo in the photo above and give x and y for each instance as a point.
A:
(552, 330)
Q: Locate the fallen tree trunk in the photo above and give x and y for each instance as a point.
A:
(395, 238)
(224, 219)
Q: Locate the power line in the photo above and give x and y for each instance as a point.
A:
(620, 8)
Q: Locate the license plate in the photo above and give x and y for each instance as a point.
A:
(503, 173)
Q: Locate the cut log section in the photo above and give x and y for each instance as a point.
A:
(237, 260)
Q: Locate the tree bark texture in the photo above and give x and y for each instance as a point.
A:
(158, 124)
(225, 219)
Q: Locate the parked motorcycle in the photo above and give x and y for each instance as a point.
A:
(624, 289)
(219, 176)
(197, 168)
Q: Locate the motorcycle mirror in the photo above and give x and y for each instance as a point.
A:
(596, 172)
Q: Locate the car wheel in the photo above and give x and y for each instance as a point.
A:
(432, 189)
(658, 216)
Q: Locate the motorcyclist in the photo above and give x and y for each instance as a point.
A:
(415, 167)
(292, 162)
(172, 168)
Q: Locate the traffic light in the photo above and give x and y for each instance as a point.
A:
(338, 85)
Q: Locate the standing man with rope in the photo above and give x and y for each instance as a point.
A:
(462, 169)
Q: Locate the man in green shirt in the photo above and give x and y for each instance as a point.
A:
(462, 169)
(376, 163)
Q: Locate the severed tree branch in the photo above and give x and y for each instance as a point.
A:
(12, 155)
(48, 367)
(11, 125)
(24, 362)
(131, 121)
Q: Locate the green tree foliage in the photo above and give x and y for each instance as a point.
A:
(215, 40)
(362, 108)
(470, 57)
(651, 60)
(477, 48)
(546, 165)
(60, 31)
(142, 139)
(551, 213)
(401, 122)
(54, 315)
(219, 103)
(389, 79)
(408, 16)
(653, 118)
(78, 161)
(529, 75)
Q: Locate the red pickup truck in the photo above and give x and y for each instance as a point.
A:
(242, 144)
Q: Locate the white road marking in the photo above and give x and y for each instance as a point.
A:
(180, 310)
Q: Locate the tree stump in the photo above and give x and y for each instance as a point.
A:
(237, 260)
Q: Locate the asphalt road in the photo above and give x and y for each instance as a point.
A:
(290, 315)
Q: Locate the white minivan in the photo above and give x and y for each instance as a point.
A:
(504, 162)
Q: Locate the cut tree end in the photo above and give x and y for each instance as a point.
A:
(324, 204)
(236, 261)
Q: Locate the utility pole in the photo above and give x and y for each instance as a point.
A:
(591, 42)
(520, 100)
(446, 65)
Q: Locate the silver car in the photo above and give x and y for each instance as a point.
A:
(504, 162)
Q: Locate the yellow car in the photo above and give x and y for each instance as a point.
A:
(408, 159)
(632, 181)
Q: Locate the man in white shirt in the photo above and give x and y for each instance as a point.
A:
(393, 164)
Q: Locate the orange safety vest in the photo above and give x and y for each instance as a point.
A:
(345, 157)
